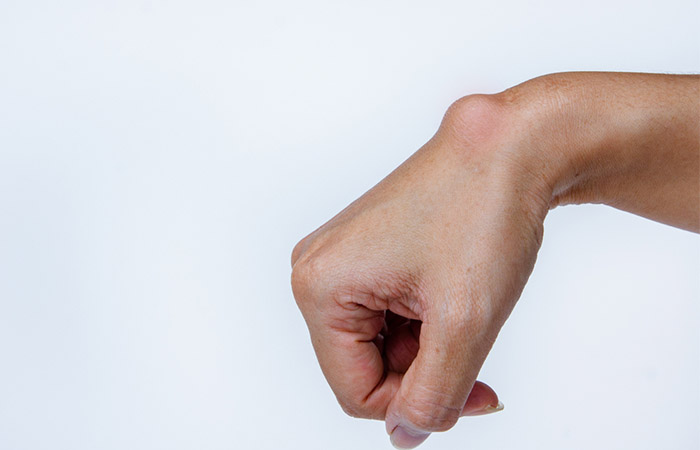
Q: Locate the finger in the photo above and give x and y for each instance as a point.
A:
(400, 347)
(347, 341)
(401, 343)
(434, 391)
(482, 400)
(351, 359)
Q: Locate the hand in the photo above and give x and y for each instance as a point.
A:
(405, 291)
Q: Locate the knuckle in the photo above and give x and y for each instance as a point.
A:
(471, 316)
(311, 277)
(299, 250)
(432, 412)
(355, 409)
(302, 278)
(467, 315)
(431, 415)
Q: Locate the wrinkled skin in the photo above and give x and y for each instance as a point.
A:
(405, 291)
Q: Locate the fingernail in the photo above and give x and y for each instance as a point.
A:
(405, 438)
(491, 409)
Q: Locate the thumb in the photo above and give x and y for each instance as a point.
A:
(434, 391)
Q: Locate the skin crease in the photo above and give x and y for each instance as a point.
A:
(404, 291)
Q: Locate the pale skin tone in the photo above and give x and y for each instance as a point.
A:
(405, 291)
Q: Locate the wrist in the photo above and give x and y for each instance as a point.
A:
(621, 139)
(561, 134)
(630, 141)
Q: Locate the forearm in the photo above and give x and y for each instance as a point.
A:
(631, 141)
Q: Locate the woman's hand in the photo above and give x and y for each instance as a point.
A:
(405, 291)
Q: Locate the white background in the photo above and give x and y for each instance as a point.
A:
(158, 161)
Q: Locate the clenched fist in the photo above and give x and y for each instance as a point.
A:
(405, 291)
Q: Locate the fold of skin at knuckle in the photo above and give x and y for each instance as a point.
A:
(352, 319)
(465, 327)
(318, 266)
(430, 409)
(484, 306)
(300, 280)
(469, 335)
(298, 250)
(368, 394)
(306, 277)
(466, 309)
(359, 408)
(470, 320)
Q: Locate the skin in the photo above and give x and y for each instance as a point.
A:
(406, 289)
